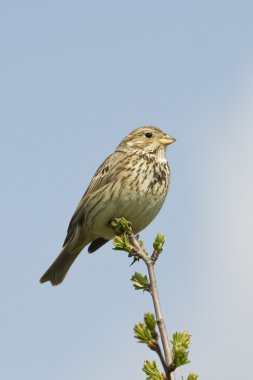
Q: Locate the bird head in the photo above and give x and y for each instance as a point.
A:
(146, 140)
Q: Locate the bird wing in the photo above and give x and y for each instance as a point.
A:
(99, 182)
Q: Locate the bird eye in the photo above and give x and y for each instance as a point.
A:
(148, 135)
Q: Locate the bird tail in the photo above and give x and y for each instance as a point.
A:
(58, 270)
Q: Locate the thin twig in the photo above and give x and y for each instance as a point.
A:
(158, 311)
(161, 357)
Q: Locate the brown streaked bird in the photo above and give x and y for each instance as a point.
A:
(132, 182)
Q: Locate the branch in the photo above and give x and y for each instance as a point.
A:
(139, 250)
(161, 357)
(174, 354)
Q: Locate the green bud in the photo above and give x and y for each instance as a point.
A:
(181, 339)
(152, 372)
(192, 376)
(159, 242)
(121, 225)
(142, 334)
(150, 322)
(180, 344)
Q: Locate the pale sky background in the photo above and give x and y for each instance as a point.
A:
(75, 78)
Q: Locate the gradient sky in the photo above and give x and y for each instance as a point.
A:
(75, 78)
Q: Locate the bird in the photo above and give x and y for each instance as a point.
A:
(132, 182)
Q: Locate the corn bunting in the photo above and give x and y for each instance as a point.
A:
(132, 183)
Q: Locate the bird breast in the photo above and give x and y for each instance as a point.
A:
(137, 194)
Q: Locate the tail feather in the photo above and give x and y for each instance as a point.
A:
(96, 244)
(58, 270)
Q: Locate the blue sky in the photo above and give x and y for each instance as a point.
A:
(75, 78)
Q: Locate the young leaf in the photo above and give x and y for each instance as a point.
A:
(152, 372)
(122, 243)
(192, 376)
(180, 343)
(142, 334)
(140, 281)
(121, 225)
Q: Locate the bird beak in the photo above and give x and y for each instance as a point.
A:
(167, 140)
